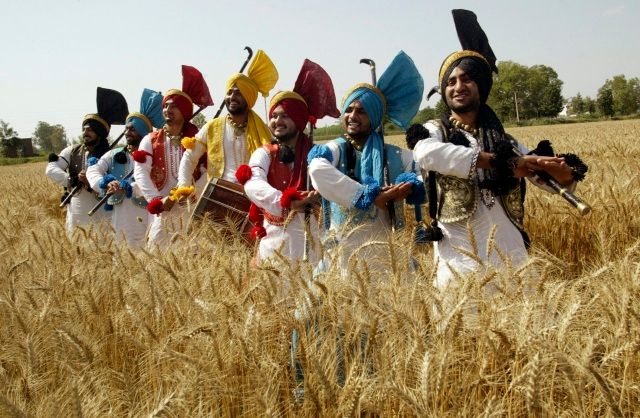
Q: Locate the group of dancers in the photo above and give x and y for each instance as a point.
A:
(349, 193)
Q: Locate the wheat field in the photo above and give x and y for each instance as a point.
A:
(91, 329)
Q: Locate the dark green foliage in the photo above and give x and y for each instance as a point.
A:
(537, 89)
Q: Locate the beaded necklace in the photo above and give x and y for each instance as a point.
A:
(239, 130)
(174, 152)
(455, 122)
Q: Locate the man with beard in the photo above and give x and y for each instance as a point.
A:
(476, 166)
(229, 141)
(69, 168)
(129, 208)
(351, 172)
(157, 159)
(275, 180)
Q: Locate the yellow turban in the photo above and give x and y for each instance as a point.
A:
(261, 77)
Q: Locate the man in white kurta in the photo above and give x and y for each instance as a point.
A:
(229, 141)
(157, 166)
(478, 174)
(278, 184)
(359, 218)
(128, 208)
(69, 169)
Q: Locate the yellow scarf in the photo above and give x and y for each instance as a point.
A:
(257, 135)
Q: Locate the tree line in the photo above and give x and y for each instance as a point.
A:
(616, 97)
(47, 137)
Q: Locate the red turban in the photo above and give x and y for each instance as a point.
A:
(185, 105)
(182, 100)
(294, 105)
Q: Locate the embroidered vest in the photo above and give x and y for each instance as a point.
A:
(160, 168)
(78, 160)
(458, 197)
(77, 163)
(339, 214)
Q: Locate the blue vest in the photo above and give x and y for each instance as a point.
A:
(337, 215)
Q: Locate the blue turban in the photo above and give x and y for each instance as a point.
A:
(150, 115)
(402, 86)
(370, 98)
(398, 95)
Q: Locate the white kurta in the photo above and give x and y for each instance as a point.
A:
(165, 226)
(129, 220)
(287, 240)
(368, 240)
(83, 201)
(432, 154)
(234, 149)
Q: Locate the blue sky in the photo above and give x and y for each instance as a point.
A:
(55, 53)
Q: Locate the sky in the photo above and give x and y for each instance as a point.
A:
(55, 53)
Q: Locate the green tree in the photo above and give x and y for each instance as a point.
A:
(8, 139)
(508, 84)
(50, 138)
(6, 131)
(605, 101)
(589, 105)
(544, 92)
(199, 120)
(626, 94)
(441, 109)
(537, 90)
(577, 104)
(424, 115)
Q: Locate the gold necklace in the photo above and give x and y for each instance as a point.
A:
(174, 139)
(238, 128)
(463, 126)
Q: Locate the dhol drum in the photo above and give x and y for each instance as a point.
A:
(225, 203)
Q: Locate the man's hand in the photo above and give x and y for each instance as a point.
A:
(311, 198)
(114, 187)
(82, 176)
(167, 204)
(392, 193)
(557, 168)
(554, 166)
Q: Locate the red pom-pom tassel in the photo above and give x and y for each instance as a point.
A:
(243, 174)
(258, 231)
(289, 195)
(140, 156)
(155, 206)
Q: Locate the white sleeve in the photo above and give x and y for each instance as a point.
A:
(433, 154)
(330, 182)
(258, 188)
(96, 172)
(57, 170)
(190, 157)
(142, 171)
